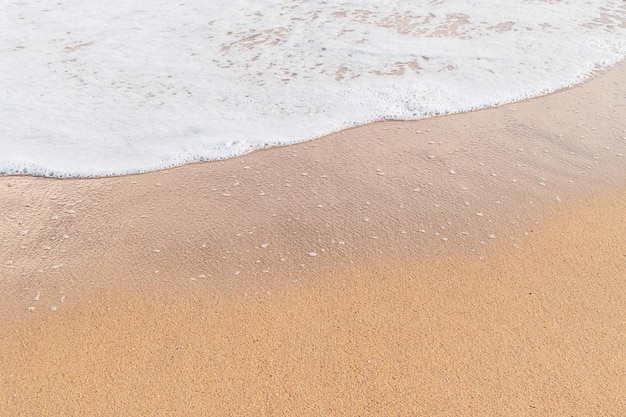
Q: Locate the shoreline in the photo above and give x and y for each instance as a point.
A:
(405, 185)
(599, 72)
(469, 258)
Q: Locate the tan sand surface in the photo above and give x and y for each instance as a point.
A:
(471, 264)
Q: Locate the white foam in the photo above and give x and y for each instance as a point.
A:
(91, 89)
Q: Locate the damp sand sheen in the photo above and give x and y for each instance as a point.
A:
(470, 264)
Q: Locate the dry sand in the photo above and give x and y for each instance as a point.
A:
(465, 265)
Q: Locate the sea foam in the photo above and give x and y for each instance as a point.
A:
(97, 89)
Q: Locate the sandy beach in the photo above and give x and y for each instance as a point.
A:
(471, 264)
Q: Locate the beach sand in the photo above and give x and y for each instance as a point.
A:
(472, 264)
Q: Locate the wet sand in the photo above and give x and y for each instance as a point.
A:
(465, 265)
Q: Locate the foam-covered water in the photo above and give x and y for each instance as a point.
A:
(95, 88)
